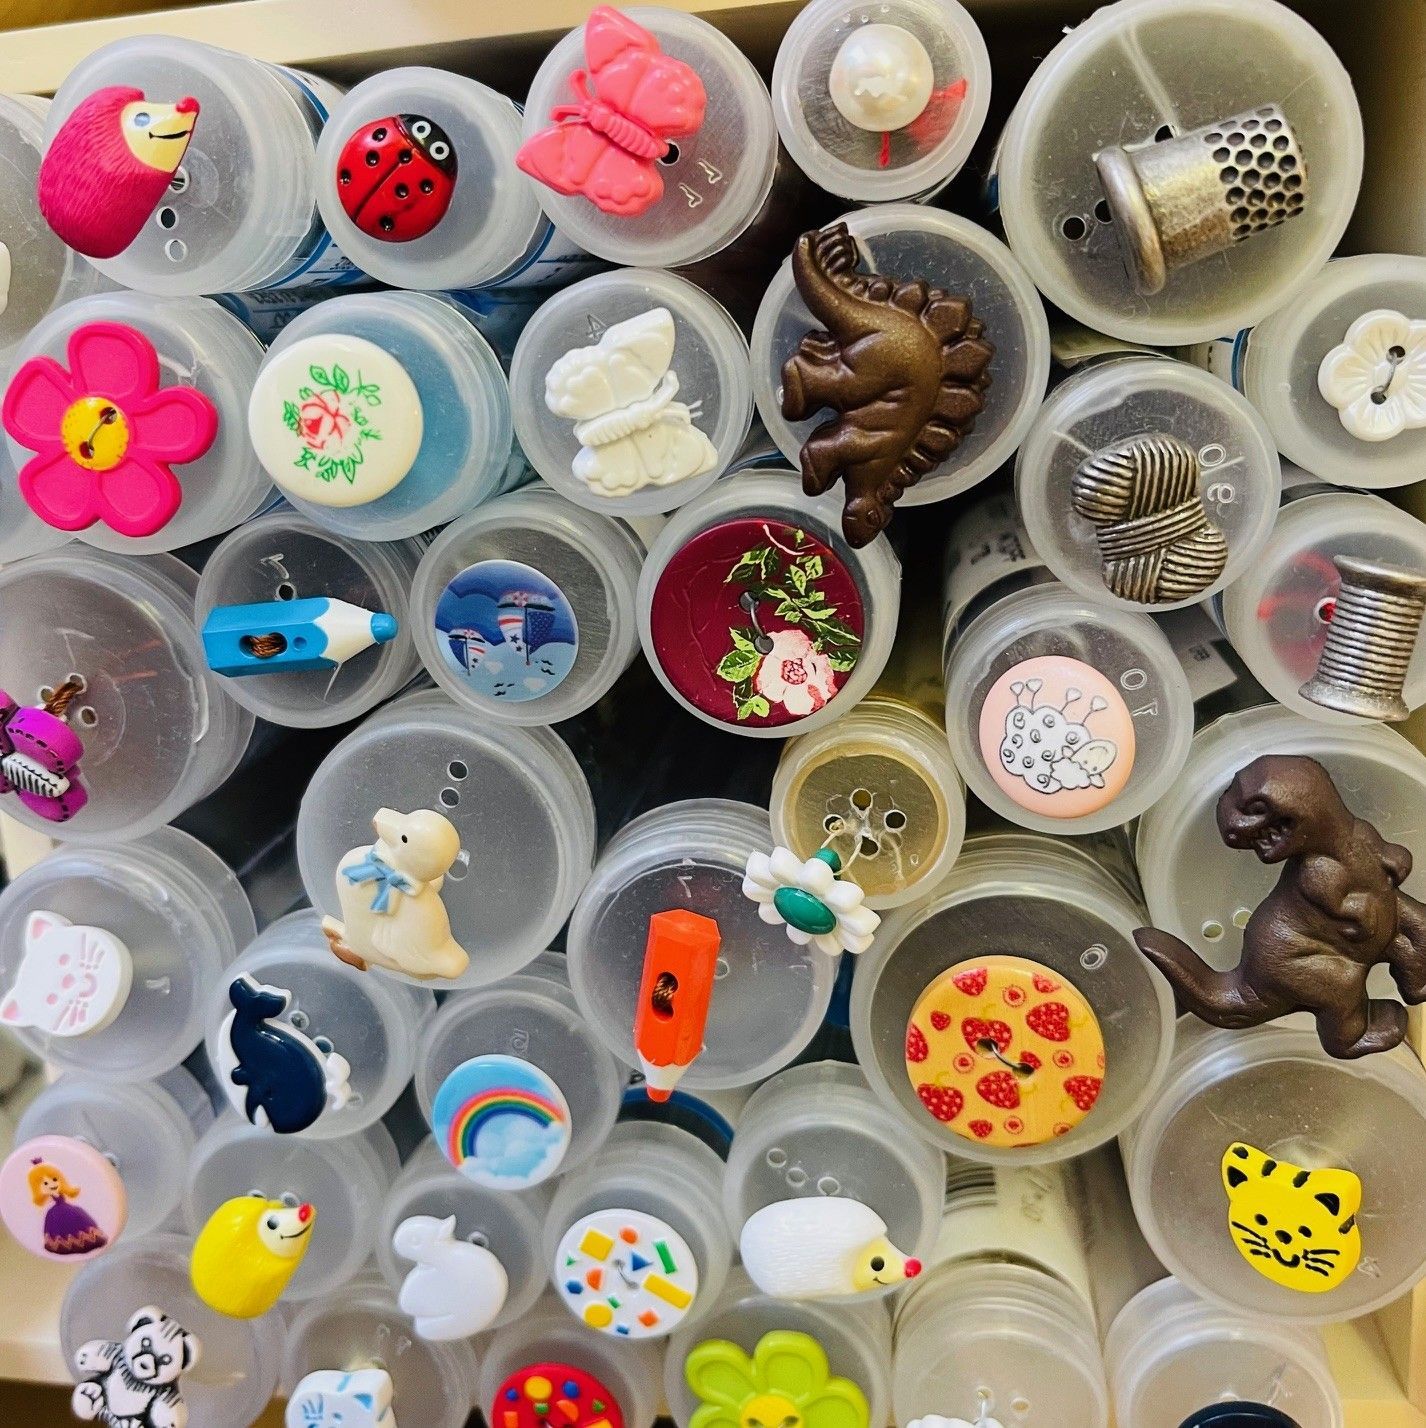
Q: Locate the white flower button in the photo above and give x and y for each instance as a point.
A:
(335, 420)
(810, 900)
(1376, 377)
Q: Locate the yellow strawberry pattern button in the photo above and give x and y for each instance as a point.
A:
(1003, 1051)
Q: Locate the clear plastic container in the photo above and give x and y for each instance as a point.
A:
(715, 181)
(199, 345)
(1089, 676)
(1234, 462)
(687, 600)
(523, 611)
(22, 532)
(1275, 1089)
(375, 1023)
(865, 142)
(885, 775)
(817, 1129)
(1170, 1355)
(284, 556)
(1277, 612)
(345, 1179)
(533, 1016)
(492, 232)
(147, 1129)
(856, 1337)
(517, 797)
(1204, 892)
(547, 1338)
(1056, 907)
(179, 912)
(908, 241)
(663, 1173)
(362, 1327)
(236, 1373)
(769, 995)
(1276, 364)
(441, 416)
(709, 363)
(160, 732)
(242, 209)
(1144, 70)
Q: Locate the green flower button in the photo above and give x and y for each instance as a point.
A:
(785, 1384)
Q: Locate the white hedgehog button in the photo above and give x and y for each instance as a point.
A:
(823, 1247)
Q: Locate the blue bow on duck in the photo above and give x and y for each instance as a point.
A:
(373, 869)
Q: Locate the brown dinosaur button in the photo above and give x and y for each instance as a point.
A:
(902, 362)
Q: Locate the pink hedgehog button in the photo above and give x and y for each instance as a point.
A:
(1057, 737)
(62, 1199)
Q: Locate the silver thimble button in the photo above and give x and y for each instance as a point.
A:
(1181, 200)
(1370, 640)
(1156, 543)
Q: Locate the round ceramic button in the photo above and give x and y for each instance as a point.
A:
(626, 1273)
(1057, 737)
(62, 1199)
(501, 1122)
(335, 420)
(1005, 1052)
(554, 1395)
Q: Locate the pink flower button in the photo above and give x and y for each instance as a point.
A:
(105, 434)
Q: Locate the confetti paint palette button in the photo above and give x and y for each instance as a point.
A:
(554, 1393)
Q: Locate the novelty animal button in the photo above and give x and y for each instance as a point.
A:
(457, 1288)
(40, 753)
(390, 893)
(626, 1273)
(1296, 1227)
(272, 1073)
(902, 363)
(680, 966)
(136, 1382)
(629, 102)
(1005, 1052)
(106, 432)
(502, 1122)
(554, 1395)
(109, 165)
(62, 1199)
(288, 636)
(1057, 737)
(396, 177)
(1336, 912)
(245, 1256)
(821, 1247)
(785, 1383)
(71, 981)
(619, 394)
(330, 1398)
(810, 900)
(335, 420)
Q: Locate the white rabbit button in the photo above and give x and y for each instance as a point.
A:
(626, 1273)
(457, 1288)
(72, 980)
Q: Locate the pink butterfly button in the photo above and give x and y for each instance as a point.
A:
(62, 1199)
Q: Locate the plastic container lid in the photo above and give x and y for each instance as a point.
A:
(180, 913)
(248, 202)
(1238, 475)
(710, 363)
(907, 241)
(1146, 69)
(715, 181)
(770, 995)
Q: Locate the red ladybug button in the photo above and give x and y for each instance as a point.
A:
(396, 177)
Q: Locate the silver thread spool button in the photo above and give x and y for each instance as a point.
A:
(1184, 199)
(1370, 640)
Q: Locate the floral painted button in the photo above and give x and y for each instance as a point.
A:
(62, 1199)
(554, 1395)
(1003, 1051)
(335, 420)
(626, 1273)
(1057, 737)
(757, 622)
(785, 1383)
(106, 434)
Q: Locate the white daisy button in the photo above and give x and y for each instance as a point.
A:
(335, 420)
(810, 900)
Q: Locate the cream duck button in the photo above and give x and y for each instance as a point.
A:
(335, 420)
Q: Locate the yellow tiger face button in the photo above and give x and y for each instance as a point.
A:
(1003, 1051)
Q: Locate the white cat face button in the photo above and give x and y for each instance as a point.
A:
(335, 420)
(72, 980)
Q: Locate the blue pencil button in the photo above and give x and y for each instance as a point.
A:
(283, 636)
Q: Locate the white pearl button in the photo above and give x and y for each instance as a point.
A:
(881, 78)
